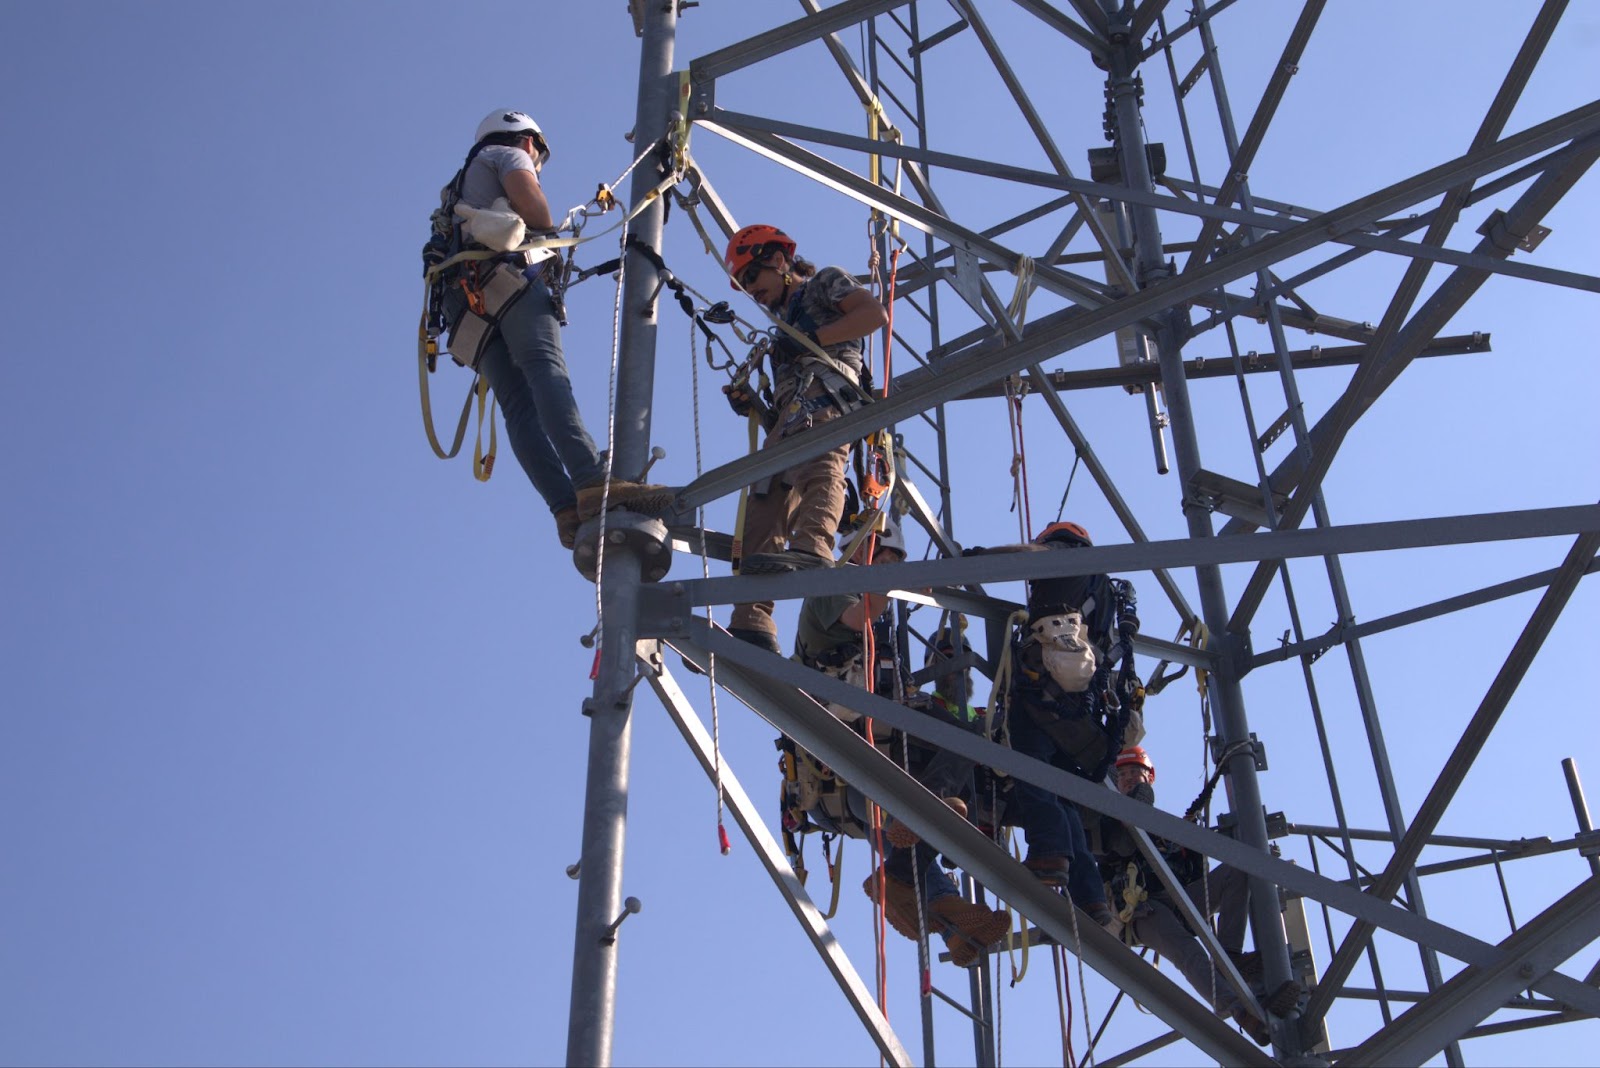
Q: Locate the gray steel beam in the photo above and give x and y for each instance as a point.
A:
(1080, 190)
(788, 884)
(1239, 162)
(591, 1015)
(1194, 22)
(1124, 98)
(781, 39)
(1460, 762)
(923, 388)
(883, 781)
(835, 744)
(1535, 950)
(1386, 363)
(1053, 18)
(1395, 344)
(1201, 367)
(1343, 632)
(1041, 133)
(755, 134)
(1453, 841)
(667, 600)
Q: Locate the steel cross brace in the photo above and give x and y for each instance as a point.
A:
(1388, 361)
(1534, 950)
(1345, 631)
(816, 730)
(772, 858)
(750, 128)
(790, 35)
(777, 687)
(1462, 757)
(664, 607)
(957, 375)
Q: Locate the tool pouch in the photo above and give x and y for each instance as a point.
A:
(471, 333)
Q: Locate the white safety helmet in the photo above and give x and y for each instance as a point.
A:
(890, 536)
(509, 121)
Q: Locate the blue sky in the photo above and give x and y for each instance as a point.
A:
(292, 759)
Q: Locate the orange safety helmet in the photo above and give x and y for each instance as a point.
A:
(1136, 755)
(754, 244)
(1067, 533)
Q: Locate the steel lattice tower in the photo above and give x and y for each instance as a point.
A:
(1164, 279)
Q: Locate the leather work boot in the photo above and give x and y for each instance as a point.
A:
(1252, 1025)
(1051, 870)
(567, 524)
(759, 638)
(903, 837)
(781, 563)
(643, 497)
(1285, 999)
(968, 928)
(899, 902)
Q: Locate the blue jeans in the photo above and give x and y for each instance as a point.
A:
(526, 370)
(1052, 826)
(901, 864)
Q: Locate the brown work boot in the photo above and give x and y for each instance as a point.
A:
(1285, 999)
(781, 562)
(1252, 1025)
(899, 902)
(643, 497)
(567, 524)
(903, 837)
(969, 928)
(1051, 870)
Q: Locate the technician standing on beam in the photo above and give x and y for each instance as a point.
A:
(793, 516)
(519, 351)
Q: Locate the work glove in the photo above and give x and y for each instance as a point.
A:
(740, 398)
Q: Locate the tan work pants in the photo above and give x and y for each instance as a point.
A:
(800, 510)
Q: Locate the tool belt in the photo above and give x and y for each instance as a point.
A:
(486, 305)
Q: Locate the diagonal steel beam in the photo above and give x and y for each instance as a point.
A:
(1460, 762)
(813, 728)
(1344, 632)
(1041, 133)
(781, 39)
(1386, 364)
(1192, 24)
(781, 679)
(1536, 949)
(956, 375)
(1256, 132)
(752, 133)
(1067, 27)
(772, 858)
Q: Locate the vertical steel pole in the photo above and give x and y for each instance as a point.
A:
(1580, 806)
(592, 1013)
(1365, 700)
(1227, 696)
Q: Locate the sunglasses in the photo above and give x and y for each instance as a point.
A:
(748, 276)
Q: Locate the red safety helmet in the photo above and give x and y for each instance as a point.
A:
(754, 244)
(1066, 533)
(1136, 755)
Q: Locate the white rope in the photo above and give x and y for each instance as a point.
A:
(611, 445)
(705, 572)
